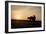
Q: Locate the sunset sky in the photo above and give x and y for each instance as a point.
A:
(22, 12)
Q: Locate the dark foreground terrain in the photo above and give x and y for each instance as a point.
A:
(25, 24)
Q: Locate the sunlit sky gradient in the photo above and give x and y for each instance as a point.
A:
(22, 12)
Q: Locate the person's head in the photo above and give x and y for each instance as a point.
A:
(33, 15)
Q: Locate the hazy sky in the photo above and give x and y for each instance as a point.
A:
(22, 12)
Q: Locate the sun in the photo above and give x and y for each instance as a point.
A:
(18, 17)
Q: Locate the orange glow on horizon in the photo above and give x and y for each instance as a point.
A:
(19, 17)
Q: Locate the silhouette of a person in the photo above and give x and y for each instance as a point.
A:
(32, 18)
